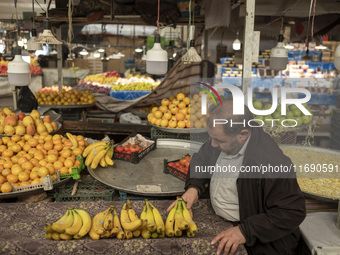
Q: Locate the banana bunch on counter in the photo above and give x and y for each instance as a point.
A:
(153, 224)
(75, 224)
(178, 220)
(106, 224)
(99, 153)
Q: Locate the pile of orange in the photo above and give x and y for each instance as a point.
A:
(179, 111)
(71, 97)
(27, 159)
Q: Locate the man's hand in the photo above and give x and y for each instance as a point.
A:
(229, 239)
(190, 197)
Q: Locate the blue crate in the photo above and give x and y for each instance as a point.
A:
(321, 99)
(128, 95)
(123, 197)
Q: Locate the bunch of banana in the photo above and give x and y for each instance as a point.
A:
(130, 221)
(179, 219)
(99, 152)
(75, 224)
(153, 224)
(106, 224)
(73, 140)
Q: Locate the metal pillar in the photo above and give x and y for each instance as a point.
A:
(60, 60)
(247, 50)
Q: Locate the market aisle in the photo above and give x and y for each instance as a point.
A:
(22, 231)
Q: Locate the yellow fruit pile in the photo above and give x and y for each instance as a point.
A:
(20, 124)
(71, 97)
(75, 224)
(178, 112)
(25, 160)
(99, 153)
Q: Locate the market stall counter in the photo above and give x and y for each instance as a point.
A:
(22, 231)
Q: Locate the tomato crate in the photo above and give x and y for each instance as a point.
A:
(173, 171)
(136, 156)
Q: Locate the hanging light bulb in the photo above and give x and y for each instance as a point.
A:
(289, 47)
(101, 50)
(144, 54)
(47, 37)
(139, 49)
(157, 58)
(96, 54)
(279, 56)
(320, 47)
(32, 44)
(237, 43)
(83, 52)
(170, 50)
(19, 72)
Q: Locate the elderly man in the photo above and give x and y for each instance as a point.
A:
(265, 209)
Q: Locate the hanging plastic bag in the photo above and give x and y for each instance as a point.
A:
(27, 101)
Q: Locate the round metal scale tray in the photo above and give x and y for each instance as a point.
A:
(126, 176)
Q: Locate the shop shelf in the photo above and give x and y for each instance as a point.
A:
(199, 137)
(87, 191)
(123, 197)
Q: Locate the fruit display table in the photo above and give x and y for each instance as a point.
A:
(22, 231)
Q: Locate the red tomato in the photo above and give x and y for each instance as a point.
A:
(172, 164)
(140, 150)
(127, 147)
(134, 148)
(182, 161)
(187, 164)
(119, 148)
(177, 164)
(187, 158)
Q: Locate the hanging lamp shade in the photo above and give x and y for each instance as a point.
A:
(47, 37)
(157, 58)
(32, 44)
(279, 56)
(83, 52)
(19, 72)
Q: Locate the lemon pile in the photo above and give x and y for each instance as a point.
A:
(179, 111)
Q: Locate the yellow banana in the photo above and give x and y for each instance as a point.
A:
(149, 217)
(62, 220)
(98, 221)
(73, 140)
(177, 230)
(97, 158)
(114, 232)
(132, 214)
(116, 223)
(143, 217)
(60, 226)
(89, 148)
(158, 219)
(93, 234)
(87, 223)
(108, 157)
(64, 236)
(187, 217)
(93, 154)
(107, 234)
(76, 226)
(108, 221)
(162, 234)
(126, 223)
(154, 235)
(102, 162)
(136, 233)
(48, 235)
(190, 233)
(55, 236)
(146, 234)
(128, 234)
(48, 228)
(169, 224)
(179, 219)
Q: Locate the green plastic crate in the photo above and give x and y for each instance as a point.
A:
(199, 137)
(87, 192)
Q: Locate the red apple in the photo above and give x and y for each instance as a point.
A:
(21, 115)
